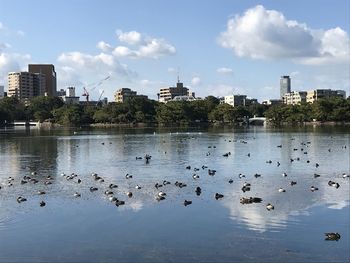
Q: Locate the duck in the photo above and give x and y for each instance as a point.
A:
(257, 175)
(332, 236)
(198, 190)
(76, 194)
(119, 202)
(281, 190)
(293, 183)
(278, 163)
(21, 199)
(165, 182)
(313, 188)
(34, 173)
(196, 169)
(218, 196)
(137, 187)
(211, 172)
(107, 192)
(161, 194)
(317, 165)
(246, 184)
(111, 186)
(129, 194)
(316, 175)
(241, 175)
(284, 174)
(334, 184)
(41, 192)
(187, 202)
(160, 198)
(48, 182)
(112, 198)
(157, 185)
(195, 176)
(42, 203)
(24, 182)
(128, 176)
(270, 207)
(230, 181)
(345, 175)
(138, 158)
(93, 189)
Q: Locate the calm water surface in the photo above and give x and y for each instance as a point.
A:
(93, 229)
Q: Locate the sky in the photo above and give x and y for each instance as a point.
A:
(217, 48)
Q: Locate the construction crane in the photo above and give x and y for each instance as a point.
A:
(99, 99)
(95, 85)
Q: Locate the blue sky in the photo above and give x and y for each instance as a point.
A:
(219, 47)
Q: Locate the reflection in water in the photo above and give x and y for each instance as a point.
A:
(112, 154)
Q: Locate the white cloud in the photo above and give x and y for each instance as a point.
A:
(1, 26)
(196, 81)
(4, 46)
(20, 33)
(131, 38)
(266, 34)
(104, 47)
(12, 62)
(172, 70)
(225, 71)
(143, 46)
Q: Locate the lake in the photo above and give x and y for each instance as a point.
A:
(91, 228)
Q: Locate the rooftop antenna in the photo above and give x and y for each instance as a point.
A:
(178, 75)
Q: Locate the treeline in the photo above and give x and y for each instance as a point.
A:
(141, 110)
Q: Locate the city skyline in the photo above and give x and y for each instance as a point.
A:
(217, 49)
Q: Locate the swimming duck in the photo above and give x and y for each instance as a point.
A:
(48, 182)
(137, 187)
(21, 199)
(76, 194)
(42, 203)
(278, 163)
(332, 236)
(284, 175)
(107, 192)
(119, 202)
(211, 172)
(346, 175)
(113, 186)
(157, 185)
(317, 165)
(204, 167)
(93, 189)
(34, 173)
(112, 198)
(23, 182)
(79, 181)
(138, 158)
(195, 176)
(218, 196)
(188, 167)
(334, 184)
(281, 190)
(128, 176)
(187, 202)
(161, 194)
(160, 198)
(246, 184)
(129, 194)
(165, 182)
(270, 207)
(257, 175)
(269, 161)
(316, 175)
(241, 175)
(198, 190)
(230, 181)
(41, 193)
(293, 183)
(313, 188)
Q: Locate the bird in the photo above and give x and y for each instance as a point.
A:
(119, 202)
(346, 175)
(161, 194)
(230, 181)
(281, 190)
(111, 186)
(218, 196)
(313, 188)
(128, 176)
(21, 199)
(195, 176)
(107, 192)
(76, 194)
(241, 175)
(187, 202)
(93, 189)
(138, 187)
(316, 175)
(112, 198)
(332, 236)
(198, 190)
(293, 183)
(42, 203)
(129, 194)
(284, 174)
(270, 207)
(41, 193)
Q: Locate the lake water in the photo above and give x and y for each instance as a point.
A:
(90, 228)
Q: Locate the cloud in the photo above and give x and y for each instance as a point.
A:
(172, 70)
(12, 62)
(196, 81)
(4, 46)
(131, 38)
(20, 33)
(142, 46)
(225, 71)
(1, 26)
(104, 47)
(266, 34)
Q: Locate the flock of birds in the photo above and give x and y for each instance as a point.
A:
(161, 195)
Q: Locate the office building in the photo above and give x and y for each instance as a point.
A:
(51, 79)
(167, 94)
(314, 95)
(121, 95)
(236, 100)
(26, 85)
(285, 85)
(2, 92)
(294, 97)
(70, 97)
(272, 102)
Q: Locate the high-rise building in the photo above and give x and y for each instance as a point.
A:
(122, 94)
(49, 71)
(26, 85)
(2, 92)
(285, 85)
(167, 94)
